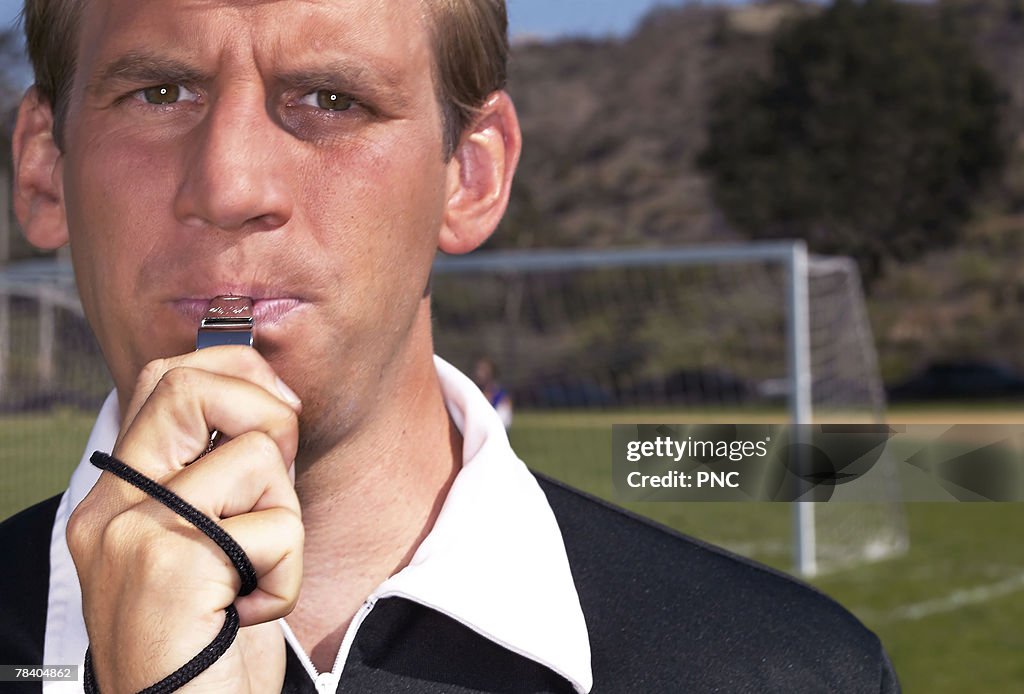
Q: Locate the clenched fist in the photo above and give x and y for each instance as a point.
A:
(154, 588)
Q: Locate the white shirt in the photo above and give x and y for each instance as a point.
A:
(494, 560)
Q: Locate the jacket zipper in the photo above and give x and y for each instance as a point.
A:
(327, 682)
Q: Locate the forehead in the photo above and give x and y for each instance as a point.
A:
(393, 34)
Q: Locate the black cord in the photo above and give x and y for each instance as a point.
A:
(209, 655)
(187, 672)
(187, 511)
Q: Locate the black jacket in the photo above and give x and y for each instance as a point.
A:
(665, 613)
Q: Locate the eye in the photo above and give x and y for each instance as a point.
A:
(328, 100)
(165, 94)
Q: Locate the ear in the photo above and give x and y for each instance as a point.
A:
(38, 182)
(480, 176)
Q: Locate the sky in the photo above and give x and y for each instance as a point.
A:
(9, 10)
(548, 18)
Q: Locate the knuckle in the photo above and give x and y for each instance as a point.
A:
(136, 537)
(251, 362)
(119, 530)
(291, 599)
(177, 379)
(288, 420)
(294, 530)
(80, 529)
(153, 559)
(151, 374)
(262, 446)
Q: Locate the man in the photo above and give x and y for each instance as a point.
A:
(485, 375)
(314, 155)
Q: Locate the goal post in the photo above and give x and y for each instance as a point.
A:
(536, 314)
(798, 352)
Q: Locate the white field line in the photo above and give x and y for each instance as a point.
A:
(955, 600)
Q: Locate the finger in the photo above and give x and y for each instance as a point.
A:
(246, 474)
(273, 541)
(173, 426)
(227, 360)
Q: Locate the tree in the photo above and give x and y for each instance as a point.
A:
(871, 135)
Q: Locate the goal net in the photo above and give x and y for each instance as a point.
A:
(586, 339)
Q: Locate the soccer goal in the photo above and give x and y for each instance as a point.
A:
(749, 333)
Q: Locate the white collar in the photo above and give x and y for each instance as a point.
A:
(494, 560)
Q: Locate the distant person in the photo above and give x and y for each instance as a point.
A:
(485, 373)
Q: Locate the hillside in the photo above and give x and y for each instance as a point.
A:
(613, 128)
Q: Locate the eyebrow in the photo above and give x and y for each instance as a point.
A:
(341, 70)
(144, 68)
(139, 67)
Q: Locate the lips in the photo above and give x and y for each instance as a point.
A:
(265, 311)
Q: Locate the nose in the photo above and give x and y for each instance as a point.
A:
(235, 176)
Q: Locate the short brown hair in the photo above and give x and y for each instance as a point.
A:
(470, 56)
(470, 59)
(51, 36)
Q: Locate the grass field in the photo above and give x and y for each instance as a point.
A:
(950, 611)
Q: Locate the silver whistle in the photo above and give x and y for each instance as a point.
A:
(228, 321)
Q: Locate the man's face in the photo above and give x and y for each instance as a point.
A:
(290, 151)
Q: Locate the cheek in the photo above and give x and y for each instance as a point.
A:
(117, 209)
(387, 203)
(116, 197)
(111, 222)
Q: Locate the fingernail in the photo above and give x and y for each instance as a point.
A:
(287, 393)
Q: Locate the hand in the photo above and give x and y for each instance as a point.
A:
(154, 588)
